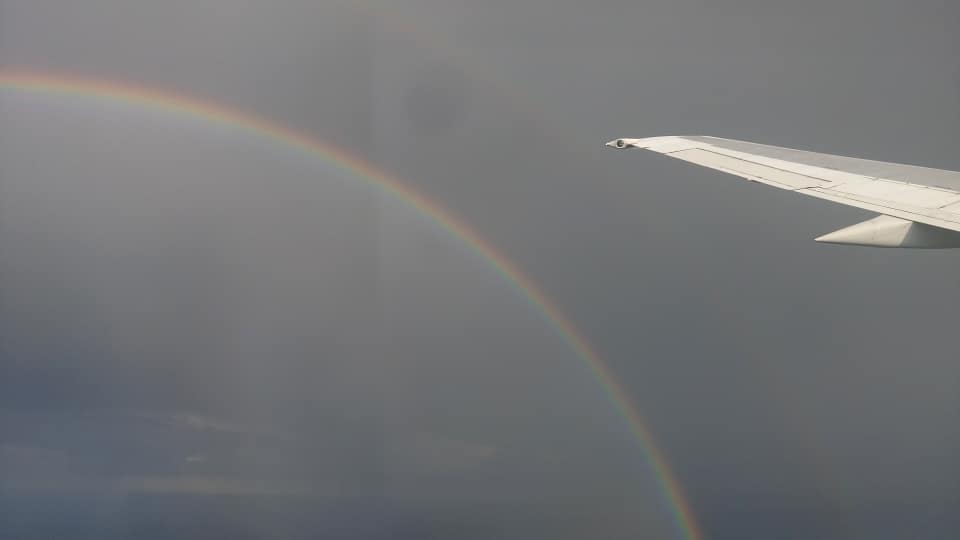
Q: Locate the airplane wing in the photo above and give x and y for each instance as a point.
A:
(919, 207)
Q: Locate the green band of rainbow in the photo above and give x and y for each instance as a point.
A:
(30, 81)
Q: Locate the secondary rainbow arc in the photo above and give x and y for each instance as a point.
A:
(157, 99)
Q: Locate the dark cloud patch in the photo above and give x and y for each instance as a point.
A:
(438, 102)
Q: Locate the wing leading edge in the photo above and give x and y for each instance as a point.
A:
(919, 206)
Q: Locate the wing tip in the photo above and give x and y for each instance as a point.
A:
(644, 143)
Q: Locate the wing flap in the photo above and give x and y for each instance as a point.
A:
(900, 192)
(920, 215)
(781, 178)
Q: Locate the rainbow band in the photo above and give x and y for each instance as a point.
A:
(29, 81)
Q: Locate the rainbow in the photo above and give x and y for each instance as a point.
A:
(169, 101)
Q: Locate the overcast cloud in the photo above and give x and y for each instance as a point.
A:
(206, 333)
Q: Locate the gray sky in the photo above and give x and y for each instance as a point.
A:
(190, 313)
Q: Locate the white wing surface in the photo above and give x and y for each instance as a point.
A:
(919, 206)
